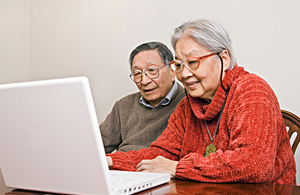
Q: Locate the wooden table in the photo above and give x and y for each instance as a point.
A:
(176, 186)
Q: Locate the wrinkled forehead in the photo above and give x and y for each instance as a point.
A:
(187, 47)
(145, 59)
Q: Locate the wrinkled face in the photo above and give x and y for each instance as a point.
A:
(153, 90)
(204, 81)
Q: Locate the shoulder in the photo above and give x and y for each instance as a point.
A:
(128, 99)
(250, 89)
(249, 80)
(252, 83)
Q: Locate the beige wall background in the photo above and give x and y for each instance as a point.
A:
(47, 39)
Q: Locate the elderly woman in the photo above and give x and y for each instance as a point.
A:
(228, 128)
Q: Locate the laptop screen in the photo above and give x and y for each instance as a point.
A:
(50, 139)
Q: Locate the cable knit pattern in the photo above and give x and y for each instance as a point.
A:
(252, 142)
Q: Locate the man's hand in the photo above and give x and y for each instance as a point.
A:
(158, 165)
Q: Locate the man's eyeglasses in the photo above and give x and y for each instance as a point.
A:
(151, 73)
(192, 63)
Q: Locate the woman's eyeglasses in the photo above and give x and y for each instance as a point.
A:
(192, 63)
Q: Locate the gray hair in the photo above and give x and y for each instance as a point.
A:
(165, 54)
(207, 33)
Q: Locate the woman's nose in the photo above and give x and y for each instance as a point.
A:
(185, 72)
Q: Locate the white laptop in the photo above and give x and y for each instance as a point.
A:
(50, 141)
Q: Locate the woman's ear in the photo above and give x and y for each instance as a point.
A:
(226, 59)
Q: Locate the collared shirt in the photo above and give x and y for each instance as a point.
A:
(163, 102)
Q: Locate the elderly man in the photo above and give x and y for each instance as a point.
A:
(138, 119)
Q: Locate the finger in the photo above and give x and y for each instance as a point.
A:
(146, 170)
(142, 168)
(143, 162)
(109, 161)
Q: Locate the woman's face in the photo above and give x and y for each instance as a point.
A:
(204, 81)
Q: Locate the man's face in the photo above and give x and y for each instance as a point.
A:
(153, 90)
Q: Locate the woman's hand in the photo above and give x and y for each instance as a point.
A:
(109, 161)
(158, 165)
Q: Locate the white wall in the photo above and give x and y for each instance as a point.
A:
(14, 25)
(94, 38)
(44, 39)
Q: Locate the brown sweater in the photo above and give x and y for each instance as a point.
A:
(132, 126)
(252, 142)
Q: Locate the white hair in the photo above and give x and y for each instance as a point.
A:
(207, 33)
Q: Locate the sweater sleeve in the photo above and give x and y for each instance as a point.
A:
(167, 145)
(258, 150)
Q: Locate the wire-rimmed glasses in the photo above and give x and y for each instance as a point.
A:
(192, 63)
(151, 73)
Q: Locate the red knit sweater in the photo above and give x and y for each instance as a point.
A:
(252, 142)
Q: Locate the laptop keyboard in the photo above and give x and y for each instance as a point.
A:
(129, 184)
(121, 179)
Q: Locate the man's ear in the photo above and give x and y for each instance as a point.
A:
(173, 74)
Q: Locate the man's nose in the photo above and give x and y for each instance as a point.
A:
(145, 79)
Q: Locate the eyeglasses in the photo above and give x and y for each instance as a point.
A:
(151, 73)
(192, 63)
